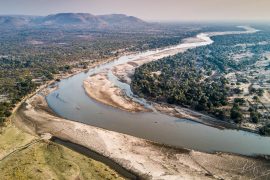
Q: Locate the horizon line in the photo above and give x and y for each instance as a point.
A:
(153, 20)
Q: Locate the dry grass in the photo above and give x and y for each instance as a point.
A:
(45, 160)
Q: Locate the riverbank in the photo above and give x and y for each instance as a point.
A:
(37, 158)
(147, 159)
(113, 95)
(30, 151)
(101, 89)
(144, 158)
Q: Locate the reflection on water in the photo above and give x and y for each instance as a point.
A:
(70, 101)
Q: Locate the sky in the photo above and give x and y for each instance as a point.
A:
(151, 10)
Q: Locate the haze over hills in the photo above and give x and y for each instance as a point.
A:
(72, 20)
(14, 21)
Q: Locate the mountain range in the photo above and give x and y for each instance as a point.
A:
(84, 20)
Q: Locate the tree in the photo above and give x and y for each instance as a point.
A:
(236, 114)
(237, 91)
(220, 114)
(255, 98)
(255, 116)
(239, 101)
(265, 130)
(260, 92)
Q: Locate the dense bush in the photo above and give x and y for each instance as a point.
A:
(29, 57)
(265, 130)
(186, 79)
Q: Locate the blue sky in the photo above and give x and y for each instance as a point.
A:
(172, 10)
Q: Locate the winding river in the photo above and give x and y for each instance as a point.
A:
(71, 102)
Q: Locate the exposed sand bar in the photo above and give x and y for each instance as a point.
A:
(126, 70)
(141, 157)
(99, 88)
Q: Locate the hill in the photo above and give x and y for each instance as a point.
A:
(83, 20)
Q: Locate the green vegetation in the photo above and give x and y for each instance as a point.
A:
(183, 86)
(30, 57)
(197, 78)
(265, 130)
(236, 114)
(255, 116)
(239, 101)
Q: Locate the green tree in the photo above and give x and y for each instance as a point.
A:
(236, 114)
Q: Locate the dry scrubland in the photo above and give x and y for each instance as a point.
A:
(254, 89)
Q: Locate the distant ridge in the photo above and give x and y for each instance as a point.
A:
(14, 21)
(85, 20)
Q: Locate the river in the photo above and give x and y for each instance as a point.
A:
(71, 102)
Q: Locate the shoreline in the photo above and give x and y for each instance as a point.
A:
(198, 117)
(46, 87)
(189, 164)
(96, 156)
(99, 87)
(144, 158)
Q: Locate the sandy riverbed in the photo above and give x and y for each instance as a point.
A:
(125, 71)
(142, 157)
(101, 89)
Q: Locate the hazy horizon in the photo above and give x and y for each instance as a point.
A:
(151, 10)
